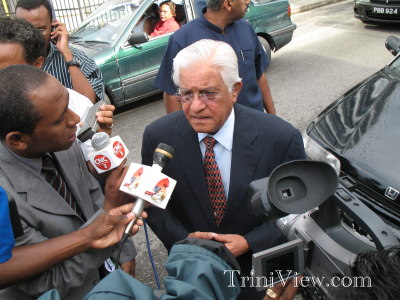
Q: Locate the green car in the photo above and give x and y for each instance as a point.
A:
(115, 35)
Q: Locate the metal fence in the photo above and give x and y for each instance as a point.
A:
(70, 12)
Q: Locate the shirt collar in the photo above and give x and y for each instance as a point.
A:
(224, 136)
(170, 20)
(52, 50)
(203, 19)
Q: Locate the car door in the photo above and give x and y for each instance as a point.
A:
(139, 64)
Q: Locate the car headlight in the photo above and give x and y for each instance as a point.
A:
(315, 152)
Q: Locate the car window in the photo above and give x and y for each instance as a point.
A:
(148, 21)
(198, 7)
(106, 25)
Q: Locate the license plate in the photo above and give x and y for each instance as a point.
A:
(385, 11)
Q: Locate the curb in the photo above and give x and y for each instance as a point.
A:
(311, 4)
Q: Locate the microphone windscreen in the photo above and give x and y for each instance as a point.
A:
(166, 148)
(100, 140)
(162, 155)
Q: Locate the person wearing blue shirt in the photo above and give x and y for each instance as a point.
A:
(6, 232)
(222, 20)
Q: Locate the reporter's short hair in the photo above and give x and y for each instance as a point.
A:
(215, 53)
(17, 113)
(21, 32)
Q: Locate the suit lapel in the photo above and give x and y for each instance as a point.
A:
(40, 193)
(245, 156)
(191, 164)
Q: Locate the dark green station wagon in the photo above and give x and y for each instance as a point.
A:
(114, 36)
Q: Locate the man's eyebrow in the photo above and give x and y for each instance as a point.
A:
(208, 88)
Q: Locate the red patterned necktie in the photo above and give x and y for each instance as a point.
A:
(54, 178)
(214, 180)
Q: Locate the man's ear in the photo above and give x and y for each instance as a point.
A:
(227, 4)
(16, 140)
(38, 63)
(236, 90)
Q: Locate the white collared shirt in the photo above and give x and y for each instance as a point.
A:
(80, 105)
(222, 149)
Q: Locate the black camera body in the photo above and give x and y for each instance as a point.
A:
(322, 242)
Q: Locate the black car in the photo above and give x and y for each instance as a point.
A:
(377, 11)
(359, 134)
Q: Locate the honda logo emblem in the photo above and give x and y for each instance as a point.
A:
(391, 193)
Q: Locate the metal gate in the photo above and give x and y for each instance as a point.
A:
(70, 12)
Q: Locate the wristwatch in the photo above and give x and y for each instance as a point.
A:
(73, 62)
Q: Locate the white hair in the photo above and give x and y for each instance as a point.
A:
(215, 53)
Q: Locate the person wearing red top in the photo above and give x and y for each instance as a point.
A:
(167, 21)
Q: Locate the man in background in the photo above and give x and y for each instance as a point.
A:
(222, 20)
(69, 65)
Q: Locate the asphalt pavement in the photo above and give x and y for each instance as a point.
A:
(299, 6)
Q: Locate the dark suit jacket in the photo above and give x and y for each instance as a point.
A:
(261, 142)
(45, 214)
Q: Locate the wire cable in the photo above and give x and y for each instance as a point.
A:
(121, 244)
(151, 256)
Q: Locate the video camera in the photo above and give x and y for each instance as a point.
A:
(325, 224)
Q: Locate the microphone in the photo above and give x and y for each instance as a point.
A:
(161, 157)
(108, 152)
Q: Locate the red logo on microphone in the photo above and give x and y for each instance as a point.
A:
(102, 162)
(119, 149)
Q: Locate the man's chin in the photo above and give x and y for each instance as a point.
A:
(66, 146)
(203, 129)
(62, 148)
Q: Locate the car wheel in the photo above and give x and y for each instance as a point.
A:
(107, 99)
(267, 48)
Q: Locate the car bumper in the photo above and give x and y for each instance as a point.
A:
(374, 12)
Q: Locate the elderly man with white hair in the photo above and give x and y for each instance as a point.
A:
(220, 147)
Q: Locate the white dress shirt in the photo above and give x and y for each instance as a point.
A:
(222, 149)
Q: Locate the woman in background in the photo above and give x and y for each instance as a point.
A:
(167, 21)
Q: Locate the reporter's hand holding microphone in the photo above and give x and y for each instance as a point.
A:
(107, 229)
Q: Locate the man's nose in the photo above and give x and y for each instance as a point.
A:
(74, 119)
(197, 103)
